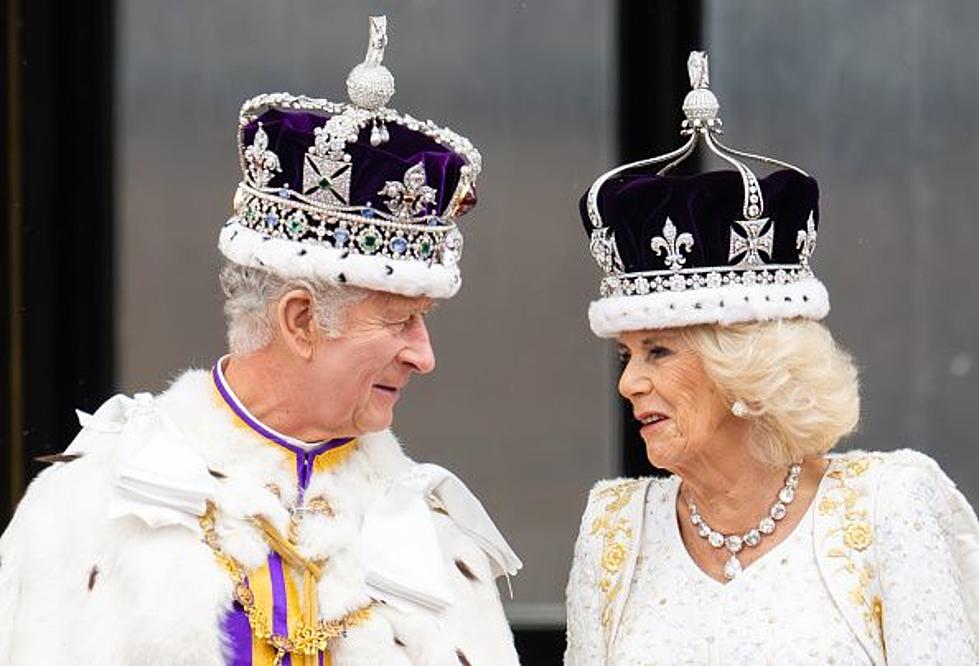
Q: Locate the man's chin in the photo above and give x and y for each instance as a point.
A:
(379, 419)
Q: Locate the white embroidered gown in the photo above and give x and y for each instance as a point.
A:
(776, 612)
(883, 569)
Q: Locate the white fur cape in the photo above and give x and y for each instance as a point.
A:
(89, 575)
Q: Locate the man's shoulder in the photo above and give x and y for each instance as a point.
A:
(186, 388)
(64, 506)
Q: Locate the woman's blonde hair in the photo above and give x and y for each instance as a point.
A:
(800, 386)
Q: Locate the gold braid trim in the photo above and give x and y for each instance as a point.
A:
(311, 635)
(616, 535)
(855, 534)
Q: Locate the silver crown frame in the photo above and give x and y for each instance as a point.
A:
(320, 212)
(701, 125)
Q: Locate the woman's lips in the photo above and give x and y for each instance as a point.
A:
(652, 422)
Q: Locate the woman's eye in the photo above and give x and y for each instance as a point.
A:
(623, 356)
(659, 352)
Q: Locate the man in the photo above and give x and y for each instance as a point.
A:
(260, 512)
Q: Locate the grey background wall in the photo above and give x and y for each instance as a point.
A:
(519, 404)
(878, 100)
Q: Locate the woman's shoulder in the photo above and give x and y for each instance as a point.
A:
(626, 487)
(610, 497)
(889, 470)
(901, 482)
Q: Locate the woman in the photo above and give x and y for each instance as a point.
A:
(762, 547)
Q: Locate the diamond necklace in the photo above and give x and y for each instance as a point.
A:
(733, 542)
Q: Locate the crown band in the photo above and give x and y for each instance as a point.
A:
(362, 229)
(653, 282)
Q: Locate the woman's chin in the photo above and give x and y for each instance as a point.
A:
(662, 451)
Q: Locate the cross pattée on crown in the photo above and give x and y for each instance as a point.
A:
(752, 243)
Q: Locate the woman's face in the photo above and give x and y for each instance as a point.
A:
(679, 406)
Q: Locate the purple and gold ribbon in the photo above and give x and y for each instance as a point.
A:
(271, 584)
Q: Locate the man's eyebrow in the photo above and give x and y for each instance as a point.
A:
(403, 308)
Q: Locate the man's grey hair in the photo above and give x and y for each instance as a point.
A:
(250, 292)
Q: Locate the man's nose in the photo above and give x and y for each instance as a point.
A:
(419, 353)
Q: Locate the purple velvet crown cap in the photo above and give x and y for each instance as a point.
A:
(291, 134)
(636, 205)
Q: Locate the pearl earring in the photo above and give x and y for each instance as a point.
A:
(739, 409)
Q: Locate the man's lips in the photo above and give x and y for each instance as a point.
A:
(388, 389)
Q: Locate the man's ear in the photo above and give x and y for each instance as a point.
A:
(295, 314)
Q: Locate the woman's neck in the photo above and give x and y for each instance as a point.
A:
(729, 485)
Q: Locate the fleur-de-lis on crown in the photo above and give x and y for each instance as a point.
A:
(752, 243)
(261, 161)
(673, 245)
(409, 198)
(806, 241)
(602, 247)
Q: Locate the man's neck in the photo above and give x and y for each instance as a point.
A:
(260, 383)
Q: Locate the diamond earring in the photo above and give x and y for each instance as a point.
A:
(739, 409)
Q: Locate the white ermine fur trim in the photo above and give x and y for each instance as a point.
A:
(300, 260)
(79, 587)
(730, 304)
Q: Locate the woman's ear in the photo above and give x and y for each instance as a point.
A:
(297, 322)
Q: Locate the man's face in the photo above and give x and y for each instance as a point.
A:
(360, 374)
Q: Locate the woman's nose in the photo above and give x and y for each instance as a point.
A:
(633, 383)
